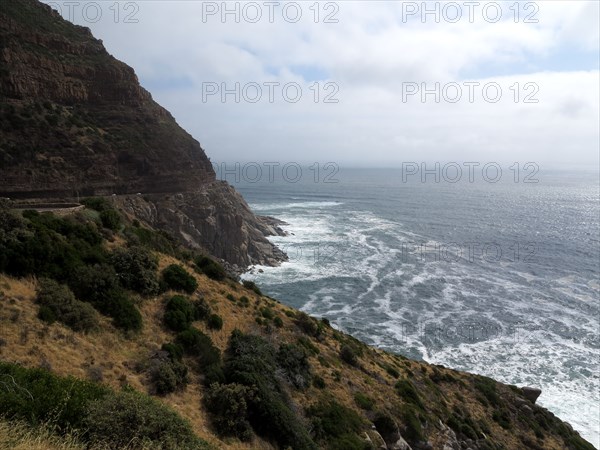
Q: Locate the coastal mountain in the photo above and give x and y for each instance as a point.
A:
(75, 122)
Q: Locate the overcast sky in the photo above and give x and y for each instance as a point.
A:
(527, 74)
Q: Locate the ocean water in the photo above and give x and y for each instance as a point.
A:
(500, 279)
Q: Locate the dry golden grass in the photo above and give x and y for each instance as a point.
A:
(19, 436)
(29, 342)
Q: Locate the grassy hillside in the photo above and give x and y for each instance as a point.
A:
(97, 297)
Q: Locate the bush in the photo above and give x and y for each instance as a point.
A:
(59, 303)
(210, 268)
(348, 355)
(215, 322)
(364, 401)
(251, 362)
(318, 382)
(179, 313)
(228, 405)
(37, 396)
(99, 204)
(110, 219)
(197, 344)
(168, 376)
(129, 417)
(392, 371)
(201, 309)
(93, 283)
(386, 427)
(334, 423)
(136, 269)
(487, 387)
(278, 322)
(178, 279)
(125, 315)
(308, 324)
(175, 351)
(294, 362)
(413, 431)
(252, 286)
(407, 391)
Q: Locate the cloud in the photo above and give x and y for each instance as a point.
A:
(369, 57)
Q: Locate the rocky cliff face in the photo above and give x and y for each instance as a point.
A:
(75, 122)
(215, 218)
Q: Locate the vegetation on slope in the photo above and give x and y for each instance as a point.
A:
(244, 370)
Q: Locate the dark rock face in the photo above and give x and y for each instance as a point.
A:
(215, 218)
(75, 122)
(531, 393)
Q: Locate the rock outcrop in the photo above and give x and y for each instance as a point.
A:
(75, 122)
(215, 218)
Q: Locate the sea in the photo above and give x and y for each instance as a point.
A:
(492, 269)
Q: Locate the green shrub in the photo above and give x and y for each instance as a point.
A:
(294, 362)
(407, 391)
(179, 313)
(47, 314)
(168, 376)
(334, 423)
(252, 286)
(228, 406)
(129, 417)
(197, 344)
(487, 387)
(318, 382)
(308, 345)
(110, 219)
(348, 355)
(230, 297)
(201, 309)
(278, 322)
(47, 246)
(175, 351)
(386, 427)
(308, 324)
(178, 279)
(210, 268)
(391, 370)
(58, 302)
(99, 204)
(267, 313)
(364, 401)
(251, 362)
(413, 429)
(214, 322)
(37, 396)
(93, 282)
(125, 315)
(136, 269)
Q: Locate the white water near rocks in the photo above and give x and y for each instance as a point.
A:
(500, 279)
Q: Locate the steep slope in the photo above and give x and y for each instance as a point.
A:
(75, 122)
(260, 375)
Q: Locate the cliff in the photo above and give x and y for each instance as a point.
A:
(75, 122)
